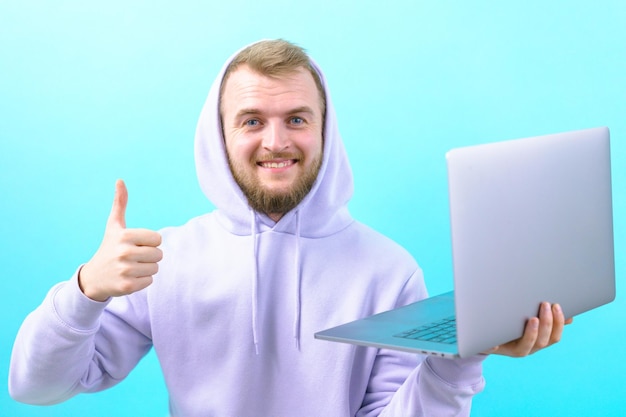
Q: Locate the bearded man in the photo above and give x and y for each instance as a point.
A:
(230, 301)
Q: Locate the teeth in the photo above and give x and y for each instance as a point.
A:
(276, 164)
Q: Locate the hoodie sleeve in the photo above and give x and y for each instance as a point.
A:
(436, 387)
(71, 344)
(408, 385)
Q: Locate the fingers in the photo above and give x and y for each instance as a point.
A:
(526, 344)
(140, 254)
(546, 327)
(522, 346)
(539, 332)
(139, 237)
(549, 329)
(553, 321)
(138, 271)
(117, 221)
(127, 258)
(558, 324)
(117, 217)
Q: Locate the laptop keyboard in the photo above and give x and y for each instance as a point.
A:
(441, 331)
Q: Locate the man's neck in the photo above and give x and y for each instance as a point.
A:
(275, 216)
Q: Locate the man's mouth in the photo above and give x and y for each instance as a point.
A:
(277, 164)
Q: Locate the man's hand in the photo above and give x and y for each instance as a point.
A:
(540, 332)
(126, 259)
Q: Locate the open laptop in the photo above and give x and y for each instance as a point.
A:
(531, 221)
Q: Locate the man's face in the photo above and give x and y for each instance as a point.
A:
(273, 134)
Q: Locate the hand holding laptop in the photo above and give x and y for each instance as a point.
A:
(531, 219)
(540, 332)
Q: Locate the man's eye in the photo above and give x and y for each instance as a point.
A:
(252, 123)
(297, 120)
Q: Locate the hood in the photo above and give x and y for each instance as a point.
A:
(321, 213)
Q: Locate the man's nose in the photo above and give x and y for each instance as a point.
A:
(275, 138)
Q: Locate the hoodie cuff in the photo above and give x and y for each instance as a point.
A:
(458, 372)
(74, 308)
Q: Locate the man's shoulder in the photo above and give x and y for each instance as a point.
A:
(373, 254)
(198, 225)
(372, 233)
(374, 240)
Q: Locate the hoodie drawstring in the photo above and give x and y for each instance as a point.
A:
(255, 282)
(296, 324)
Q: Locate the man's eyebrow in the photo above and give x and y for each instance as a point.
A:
(247, 112)
(303, 109)
(252, 111)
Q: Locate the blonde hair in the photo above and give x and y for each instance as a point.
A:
(275, 58)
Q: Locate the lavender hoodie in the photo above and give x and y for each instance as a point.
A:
(232, 312)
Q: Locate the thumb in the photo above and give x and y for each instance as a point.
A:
(117, 218)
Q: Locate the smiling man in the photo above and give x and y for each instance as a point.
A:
(230, 301)
(273, 132)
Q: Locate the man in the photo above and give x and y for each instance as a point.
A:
(232, 307)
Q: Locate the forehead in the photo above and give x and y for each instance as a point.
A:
(245, 88)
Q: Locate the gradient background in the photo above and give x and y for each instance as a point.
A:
(94, 91)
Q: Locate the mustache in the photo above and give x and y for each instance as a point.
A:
(279, 155)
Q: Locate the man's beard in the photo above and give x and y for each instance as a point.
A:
(274, 202)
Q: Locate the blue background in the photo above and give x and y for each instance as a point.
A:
(94, 91)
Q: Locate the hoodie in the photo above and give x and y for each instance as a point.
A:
(232, 311)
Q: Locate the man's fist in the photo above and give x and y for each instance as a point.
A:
(126, 259)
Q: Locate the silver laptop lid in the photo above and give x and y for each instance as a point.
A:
(529, 214)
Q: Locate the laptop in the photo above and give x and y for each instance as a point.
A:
(531, 221)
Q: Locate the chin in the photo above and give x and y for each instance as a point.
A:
(278, 187)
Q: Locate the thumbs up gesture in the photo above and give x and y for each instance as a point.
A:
(126, 259)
